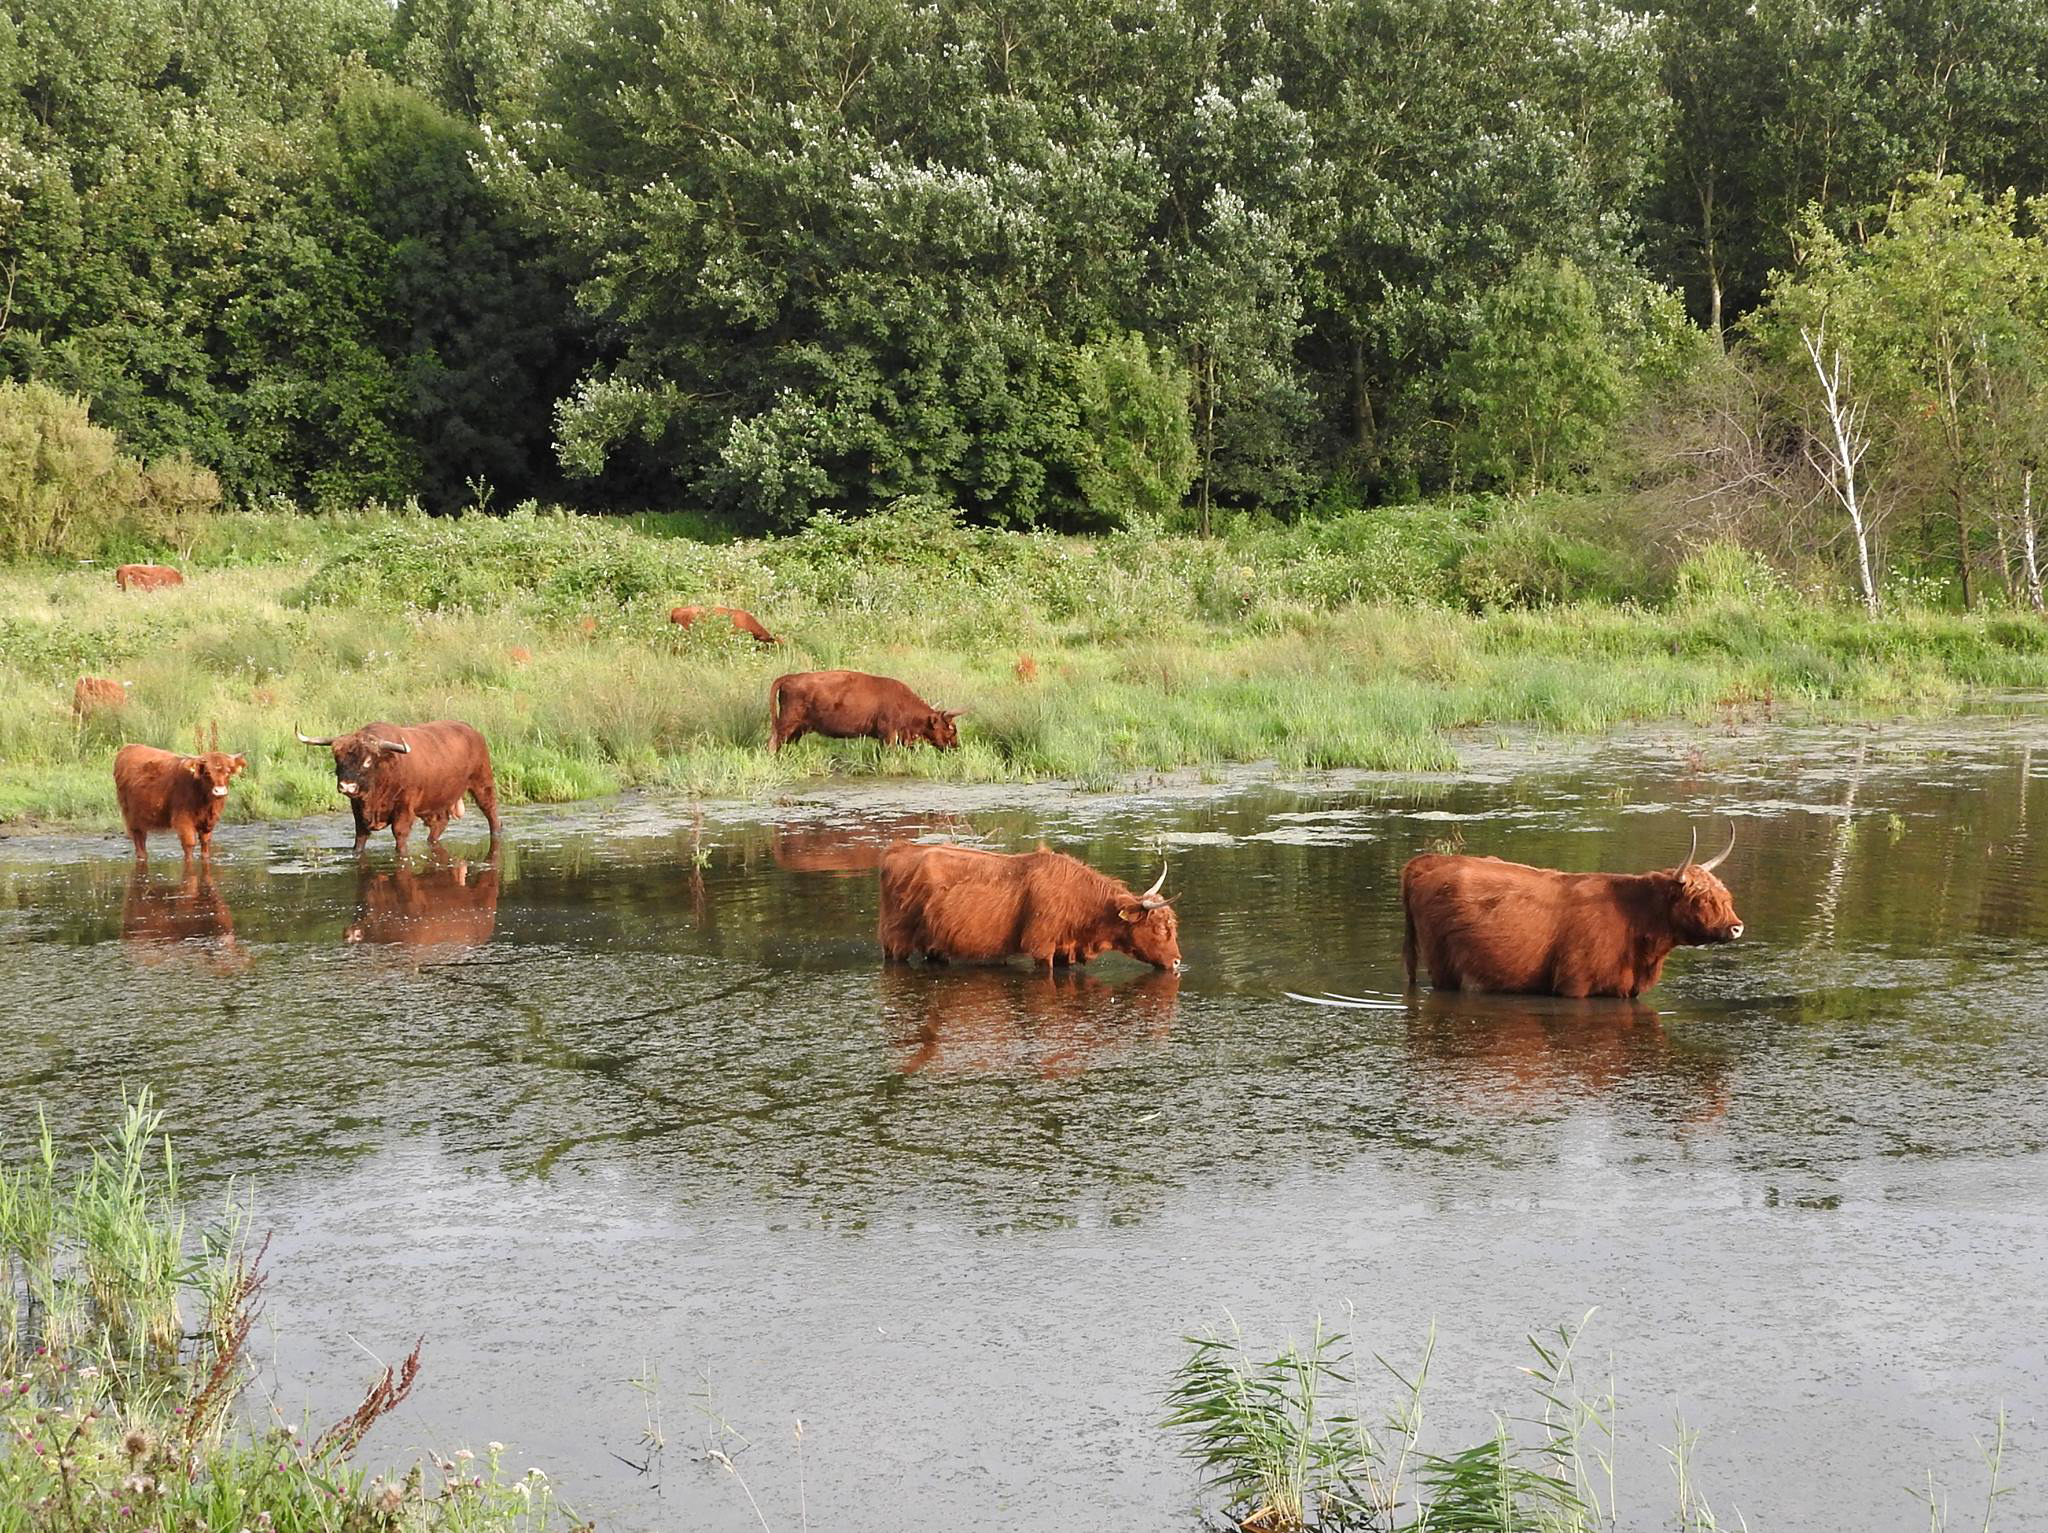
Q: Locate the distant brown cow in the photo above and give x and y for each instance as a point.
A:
(146, 577)
(1482, 924)
(161, 790)
(958, 902)
(96, 692)
(1010, 1022)
(443, 907)
(392, 774)
(850, 705)
(742, 621)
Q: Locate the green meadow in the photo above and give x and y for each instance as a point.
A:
(1365, 641)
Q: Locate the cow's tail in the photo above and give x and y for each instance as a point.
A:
(774, 703)
(1407, 933)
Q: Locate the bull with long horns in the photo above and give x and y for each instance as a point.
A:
(1479, 923)
(393, 775)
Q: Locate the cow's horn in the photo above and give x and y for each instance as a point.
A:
(1714, 862)
(1692, 853)
(394, 745)
(306, 739)
(1157, 884)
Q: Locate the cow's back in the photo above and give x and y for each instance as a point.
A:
(144, 781)
(1483, 924)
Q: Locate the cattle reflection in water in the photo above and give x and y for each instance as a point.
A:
(168, 921)
(445, 909)
(804, 846)
(1009, 1021)
(1503, 1054)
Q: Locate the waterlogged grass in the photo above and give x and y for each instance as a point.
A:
(551, 635)
(124, 1328)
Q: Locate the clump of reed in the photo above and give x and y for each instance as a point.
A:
(1287, 1444)
(118, 1413)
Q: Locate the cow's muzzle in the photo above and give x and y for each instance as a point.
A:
(221, 791)
(349, 788)
(1734, 931)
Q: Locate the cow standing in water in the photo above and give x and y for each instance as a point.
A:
(162, 790)
(1479, 923)
(742, 621)
(392, 775)
(851, 705)
(959, 902)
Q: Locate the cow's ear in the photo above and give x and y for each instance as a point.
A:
(1134, 912)
(191, 764)
(238, 761)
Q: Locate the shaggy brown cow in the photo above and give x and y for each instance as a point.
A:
(1011, 1022)
(850, 705)
(96, 692)
(742, 621)
(392, 775)
(146, 577)
(441, 908)
(1482, 924)
(161, 790)
(959, 902)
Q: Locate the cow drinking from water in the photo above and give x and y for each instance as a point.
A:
(849, 705)
(1479, 923)
(959, 902)
(392, 775)
(161, 790)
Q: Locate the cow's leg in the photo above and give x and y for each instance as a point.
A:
(141, 840)
(206, 845)
(362, 825)
(485, 792)
(401, 829)
(436, 823)
(1407, 947)
(187, 837)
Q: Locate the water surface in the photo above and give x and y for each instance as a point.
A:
(642, 1104)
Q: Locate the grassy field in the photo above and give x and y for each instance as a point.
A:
(1344, 646)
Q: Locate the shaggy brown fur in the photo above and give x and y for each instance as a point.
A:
(96, 692)
(146, 577)
(161, 790)
(1479, 923)
(850, 705)
(958, 902)
(745, 622)
(387, 785)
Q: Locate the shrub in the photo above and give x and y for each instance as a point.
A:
(1729, 575)
(1137, 439)
(67, 491)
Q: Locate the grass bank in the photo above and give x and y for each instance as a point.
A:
(124, 1332)
(1356, 643)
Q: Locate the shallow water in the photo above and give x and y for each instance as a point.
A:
(605, 1115)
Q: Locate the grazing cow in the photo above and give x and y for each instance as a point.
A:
(161, 921)
(1011, 1022)
(1482, 924)
(146, 577)
(959, 902)
(742, 621)
(161, 790)
(96, 692)
(392, 775)
(850, 705)
(443, 907)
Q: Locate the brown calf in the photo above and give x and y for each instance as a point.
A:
(851, 705)
(959, 902)
(161, 790)
(1479, 923)
(96, 692)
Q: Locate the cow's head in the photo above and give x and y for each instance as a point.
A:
(1150, 932)
(1702, 909)
(358, 758)
(212, 770)
(939, 728)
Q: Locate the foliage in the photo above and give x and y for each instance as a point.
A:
(67, 491)
(118, 1409)
(1136, 457)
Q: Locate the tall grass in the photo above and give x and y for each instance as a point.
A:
(115, 1417)
(1303, 647)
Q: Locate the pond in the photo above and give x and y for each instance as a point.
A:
(638, 1133)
